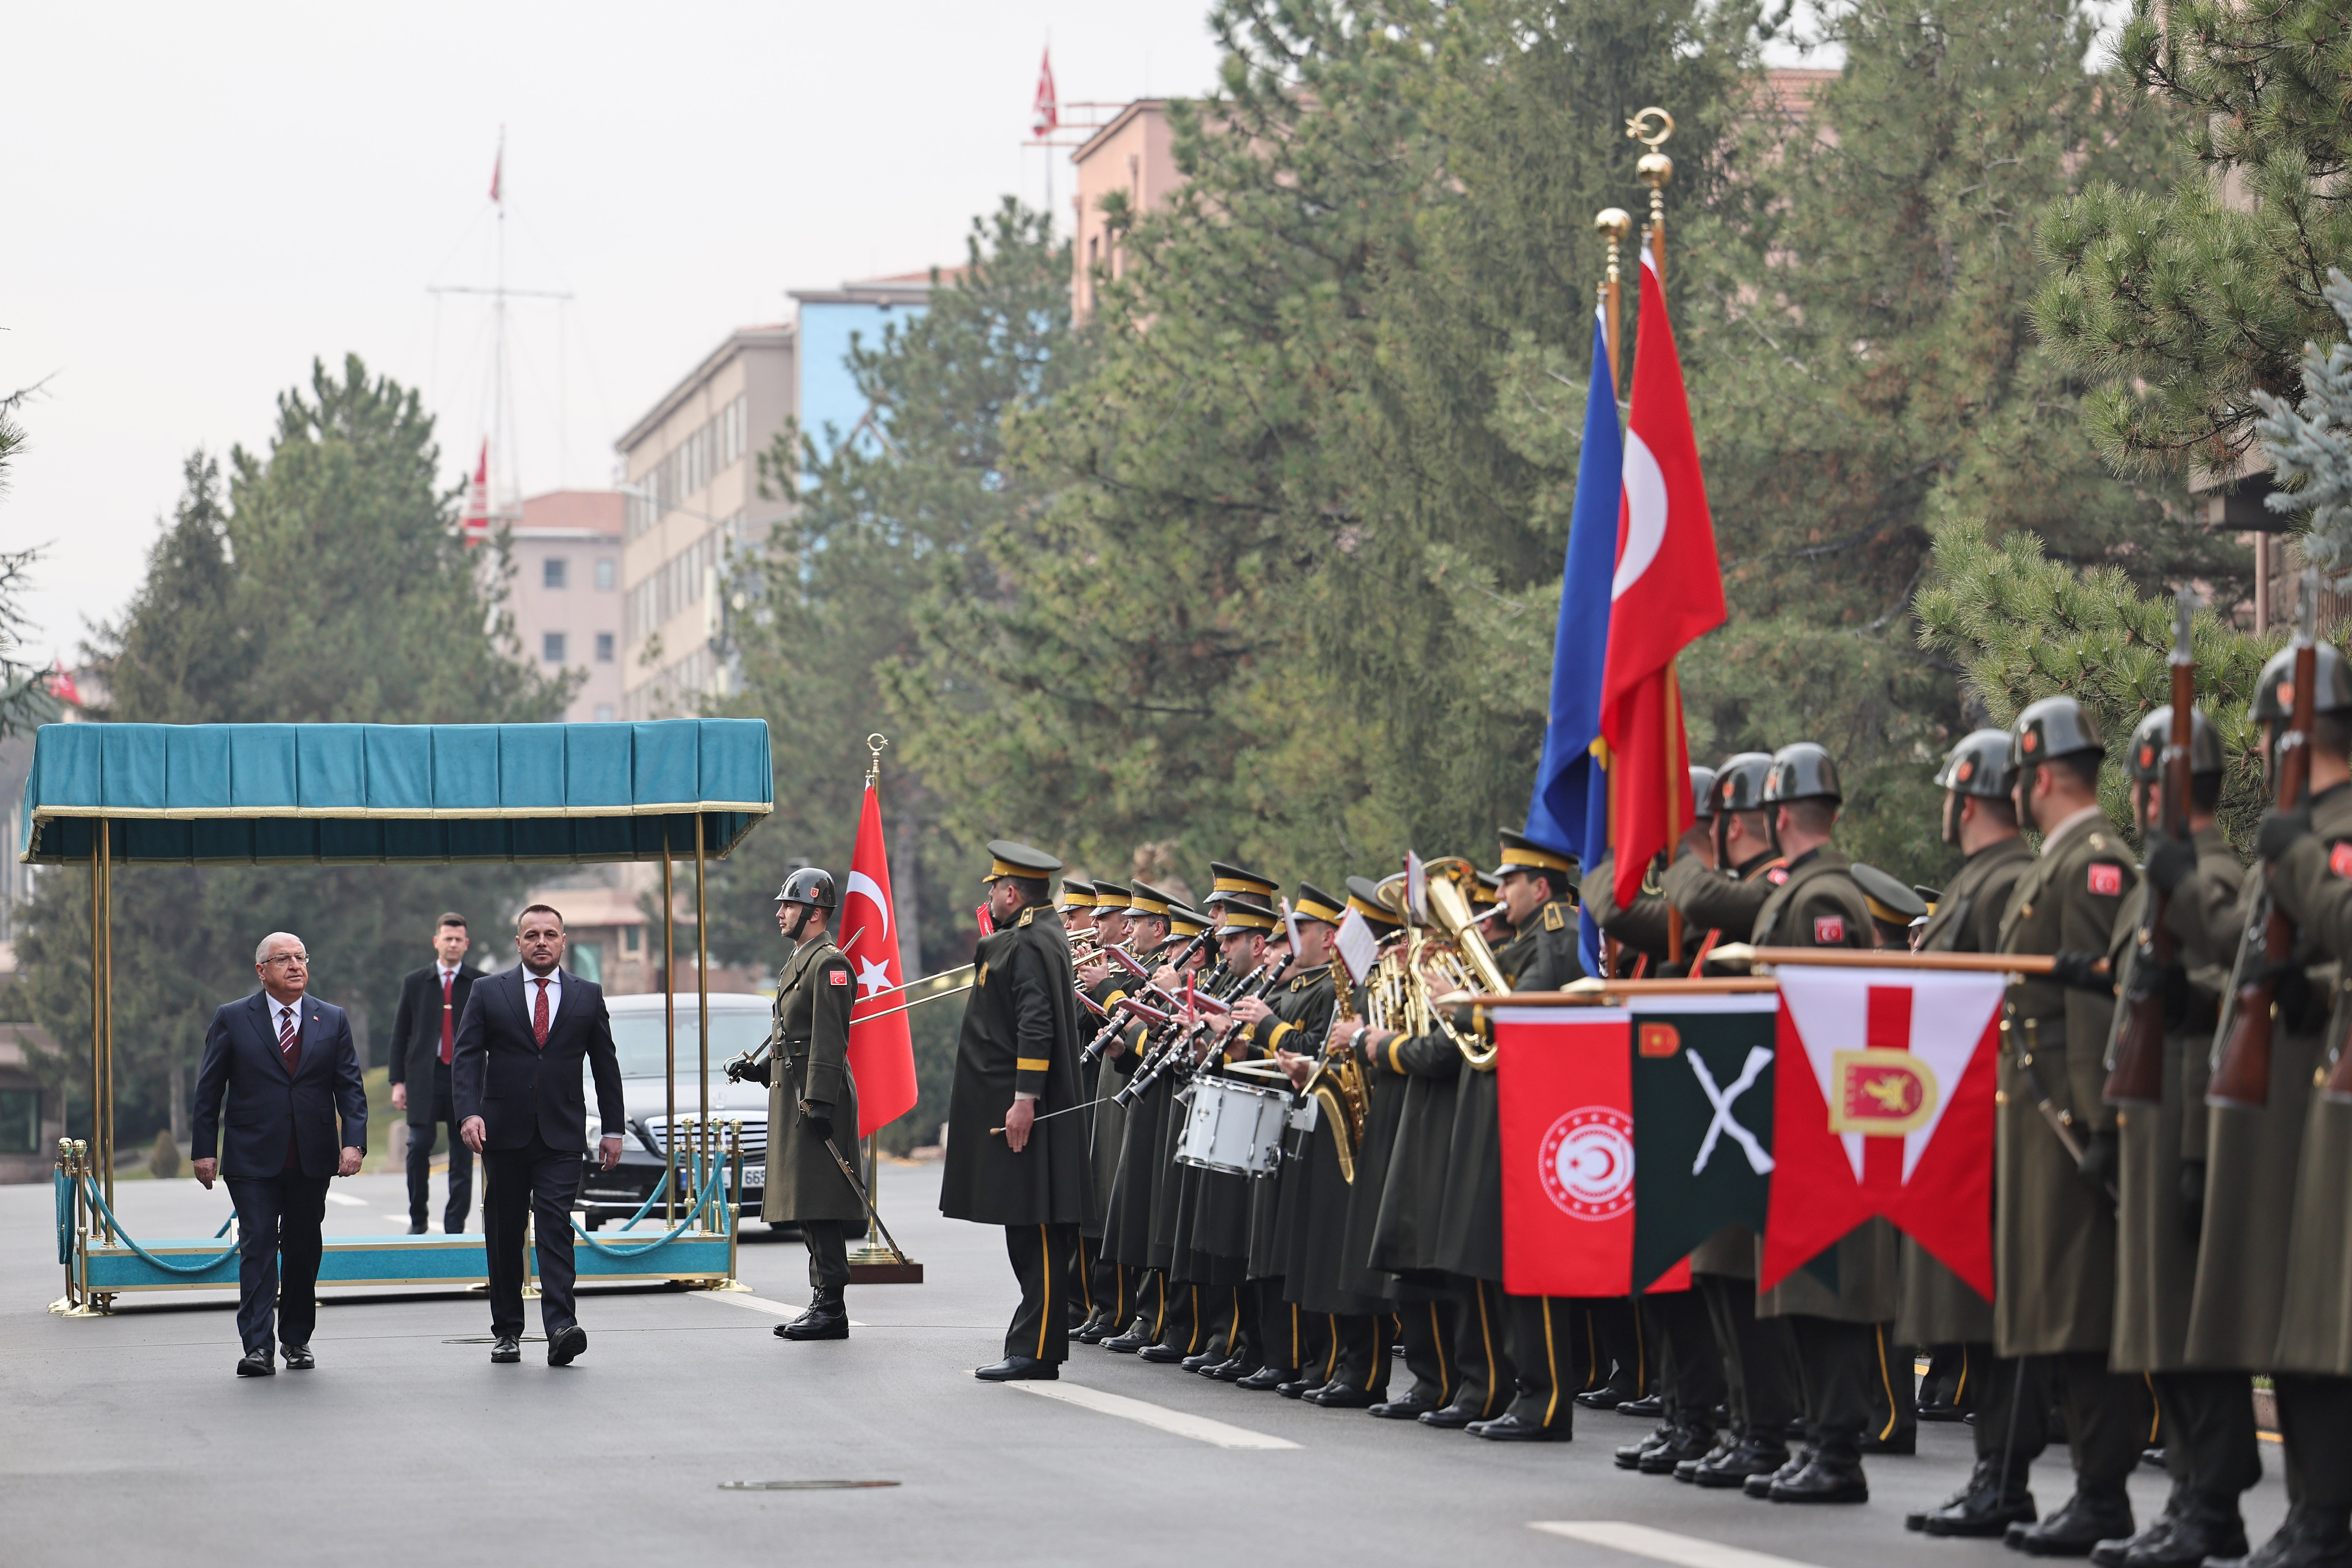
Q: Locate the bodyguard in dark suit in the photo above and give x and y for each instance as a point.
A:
(423, 1056)
(285, 1065)
(520, 1046)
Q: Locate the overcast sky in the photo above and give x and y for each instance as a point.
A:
(200, 199)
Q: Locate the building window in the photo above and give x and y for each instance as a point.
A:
(604, 712)
(553, 571)
(607, 574)
(20, 1120)
(550, 647)
(632, 938)
(586, 960)
(604, 648)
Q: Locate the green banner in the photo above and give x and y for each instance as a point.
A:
(1702, 1123)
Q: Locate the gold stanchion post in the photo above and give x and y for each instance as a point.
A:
(106, 1008)
(669, 1036)
(701, 972)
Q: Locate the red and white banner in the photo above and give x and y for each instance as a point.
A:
(1564, 1081)
(1046, 107)
(881, 1051)
(1883, 1106)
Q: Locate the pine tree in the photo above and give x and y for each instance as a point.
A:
(2310, 443)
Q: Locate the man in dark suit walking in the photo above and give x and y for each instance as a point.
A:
(285, 1063)
(520, 1044)
(424, 1052)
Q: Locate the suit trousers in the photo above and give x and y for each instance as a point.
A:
(2107, 1417)
(1894, 1387)
(1690, 1368)
(1537, 1333)
(1359, 1356)
(1232, 1313)
(1108, 1292)
(1483, 1383)
(1759, 1357)
(2209, 1431)
(421, 1136)
(1425, 1329)
(277, 1248)
(1180, 1324)
(1278, 1335)
(2315, 1420)
(538, 1183)
(1042, 1257)
(1617, 1346)
(1837, 1364)
(2011, 1398)
(828, 1254)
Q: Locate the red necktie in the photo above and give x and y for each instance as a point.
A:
(290, 1049)
(448, 1024)
(538, 1017)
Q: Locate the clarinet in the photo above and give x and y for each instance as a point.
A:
(1157, 1062)
(1178, 1052)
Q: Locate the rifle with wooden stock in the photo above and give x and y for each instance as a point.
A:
(2136, 1071)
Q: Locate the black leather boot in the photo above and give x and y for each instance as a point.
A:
(1687, 1439)
(1761, 1485)
(1755, 1454)
(1608, 1396)
(2192, 1528)
(828, 1318)
(1629, 1455)
(2087, 1518)
(2311, 1538)
(1725, 1440)
(1835, 1475)
(1645, 1409)
(1985, 1507)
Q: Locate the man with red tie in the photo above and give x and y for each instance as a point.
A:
(284, 1062)
(520, 1045)
(424, 1050)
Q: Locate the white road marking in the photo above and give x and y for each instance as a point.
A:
(1200, 1428)
(757, 1304)
(1661, 1545)
(347, 1202)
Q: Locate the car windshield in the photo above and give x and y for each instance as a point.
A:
(637, 1036)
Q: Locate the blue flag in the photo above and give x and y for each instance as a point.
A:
(1570, 809)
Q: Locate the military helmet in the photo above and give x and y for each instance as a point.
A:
(811, 885)
(2274, 693)
(1801, 772)
(1739, 780)
(2053, 727)
(2154, 736)
(1980, 765)
(1702, 794)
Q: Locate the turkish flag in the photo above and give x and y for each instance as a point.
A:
(1564, 1082)
(476, 523)
(1046, 107)
(881, 1052)
(1883, 1104)
(1667, 592)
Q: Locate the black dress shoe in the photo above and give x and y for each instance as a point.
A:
(504, 1350)
(828, 1318)
(1831, 1478)
(2111, 1553)
(1231, 1370)
(1095, 1333)
(1160, 1355)
(1648, 1409)
(300, 1359)
(1608, 1396)
(1902, 1440)
(2087, 1518)
(1686, 1442)
(1079, 1329)
(1760, 1485)
(257, 1363)
(2195, 1528)
(1299, 1387)
(1629, 1455)
(1508, 1428)
(1017, 1368)
(1127, 1343)
(416, 1227)
(2311, 1538)
(1751, 1455)
(1342, 1396)
(1266, 1377)
(1985, 1507)
(566, 1348)
(1448, 1417)
(1202, 1362)
(1941, 1410)
(1725, 1440)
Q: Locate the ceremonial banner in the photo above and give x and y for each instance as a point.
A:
(1702, 1096)
(881, 1051)
(1562, 1079)
(1884, 1106)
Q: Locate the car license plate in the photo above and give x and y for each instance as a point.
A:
(755, 1175)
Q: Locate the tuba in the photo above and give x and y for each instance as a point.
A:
(1469, 958)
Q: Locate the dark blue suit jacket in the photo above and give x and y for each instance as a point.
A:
(263, 1105)
(518, 1087)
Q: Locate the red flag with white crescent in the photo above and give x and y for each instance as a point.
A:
(1667, 592)
(1883, 1104)
(477, 524)
(881, 1050)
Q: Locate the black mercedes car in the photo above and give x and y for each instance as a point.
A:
(739, 1022)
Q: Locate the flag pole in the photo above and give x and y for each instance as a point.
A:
(1613, 223)
(1654, 169)
(872, 1264)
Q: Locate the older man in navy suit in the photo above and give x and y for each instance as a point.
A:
(285, 1064)
(520, 1105)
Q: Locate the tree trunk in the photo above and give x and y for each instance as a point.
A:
(357, 1013)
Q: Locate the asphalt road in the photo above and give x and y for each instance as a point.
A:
(128, 1441)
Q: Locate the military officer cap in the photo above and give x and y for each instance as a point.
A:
(1110, 898)
(1891, 902)
(1239, 912)
(2331, 685)
(1078, 895)
(811, 885)
(1702, 794)
(1007, 858)
(1739, 780)
(2153, 738)
(1365, 897)
(1312, 904)
(1184, 921)
(2053, 727)
(1489, 893)
(1929, 896)
(1801, 772)
(1980, 765)
(1521, 853)
(1225, 878)
(1145, 900)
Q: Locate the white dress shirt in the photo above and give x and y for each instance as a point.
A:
(554, 994)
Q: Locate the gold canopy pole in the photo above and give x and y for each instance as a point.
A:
(97, 986)
(106, 993)
(701, 974)
(669, 1036)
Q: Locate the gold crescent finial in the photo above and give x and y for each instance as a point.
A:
(1636, 128)
(874, 744)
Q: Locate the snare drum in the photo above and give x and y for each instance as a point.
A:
(1232, 1127)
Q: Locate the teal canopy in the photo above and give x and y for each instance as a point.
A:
(272, 794)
